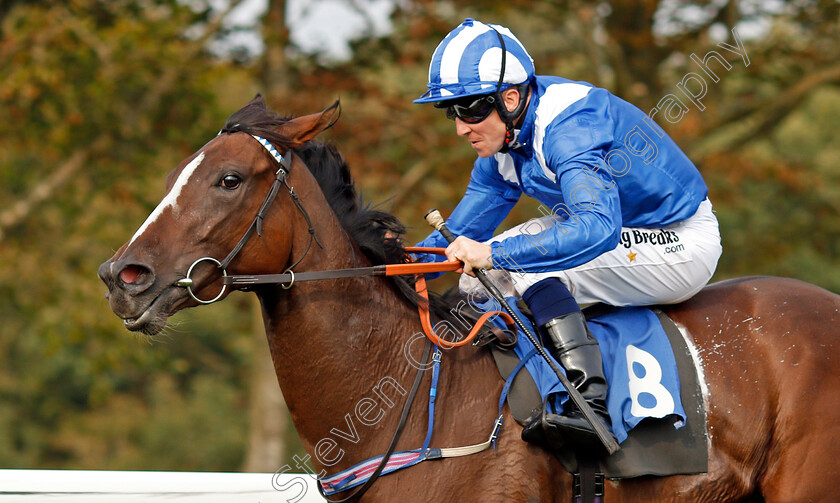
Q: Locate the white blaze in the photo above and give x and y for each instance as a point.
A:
(171, 197)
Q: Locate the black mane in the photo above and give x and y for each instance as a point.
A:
(378, 234)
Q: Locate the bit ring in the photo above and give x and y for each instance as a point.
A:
(187, 282)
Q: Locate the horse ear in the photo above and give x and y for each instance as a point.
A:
(302, 129)
(258, 100)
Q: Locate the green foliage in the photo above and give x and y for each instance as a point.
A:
(132, 96)
(779, 210)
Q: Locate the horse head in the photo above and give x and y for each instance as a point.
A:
(211, 201)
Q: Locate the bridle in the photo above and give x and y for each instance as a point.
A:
(288, 278)
(280, 180)
(284, 167)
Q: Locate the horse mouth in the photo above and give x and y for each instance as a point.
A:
(154, 317)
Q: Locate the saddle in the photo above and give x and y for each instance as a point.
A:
(659, 447)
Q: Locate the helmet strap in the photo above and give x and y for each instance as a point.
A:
(508, 117)
(512, 119)
(510, 139)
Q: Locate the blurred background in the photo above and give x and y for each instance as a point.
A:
(99, 100)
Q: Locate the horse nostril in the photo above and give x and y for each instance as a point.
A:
(105, 273)
(132, 273)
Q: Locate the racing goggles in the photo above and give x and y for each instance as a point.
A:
(469, 109)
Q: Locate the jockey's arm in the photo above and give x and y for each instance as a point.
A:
(586, 225)
(486, 203)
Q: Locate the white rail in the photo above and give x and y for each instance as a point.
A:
(88, 486)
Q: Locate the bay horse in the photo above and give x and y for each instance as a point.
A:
(767, 345)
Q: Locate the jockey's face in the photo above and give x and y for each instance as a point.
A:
(488, 136)
(485, 137)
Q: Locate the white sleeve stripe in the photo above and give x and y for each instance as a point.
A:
(506, 167)
(556, 99)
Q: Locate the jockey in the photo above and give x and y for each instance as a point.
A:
(625, 218)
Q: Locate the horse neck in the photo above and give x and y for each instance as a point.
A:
(332, 341)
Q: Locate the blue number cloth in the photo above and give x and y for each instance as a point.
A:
(638, 362)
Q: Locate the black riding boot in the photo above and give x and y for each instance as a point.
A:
(573, 346)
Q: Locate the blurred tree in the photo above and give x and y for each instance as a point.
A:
(91, 91)
(268, 414)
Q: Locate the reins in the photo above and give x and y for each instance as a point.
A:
(418, 378)
(288, 278)
(360, 474)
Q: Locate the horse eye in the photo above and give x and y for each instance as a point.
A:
(230, 182)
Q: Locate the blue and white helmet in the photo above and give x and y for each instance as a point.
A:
(469, 62)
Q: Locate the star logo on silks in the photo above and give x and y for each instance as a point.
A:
(631, 256)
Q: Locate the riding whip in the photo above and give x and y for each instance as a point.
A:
(434, 218)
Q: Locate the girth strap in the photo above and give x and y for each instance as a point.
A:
(588, 482)
(361, 473)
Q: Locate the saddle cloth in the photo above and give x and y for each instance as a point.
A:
(646, 395)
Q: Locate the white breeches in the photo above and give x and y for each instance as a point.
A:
(649, 266)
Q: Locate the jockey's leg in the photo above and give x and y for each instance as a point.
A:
(568, 339)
